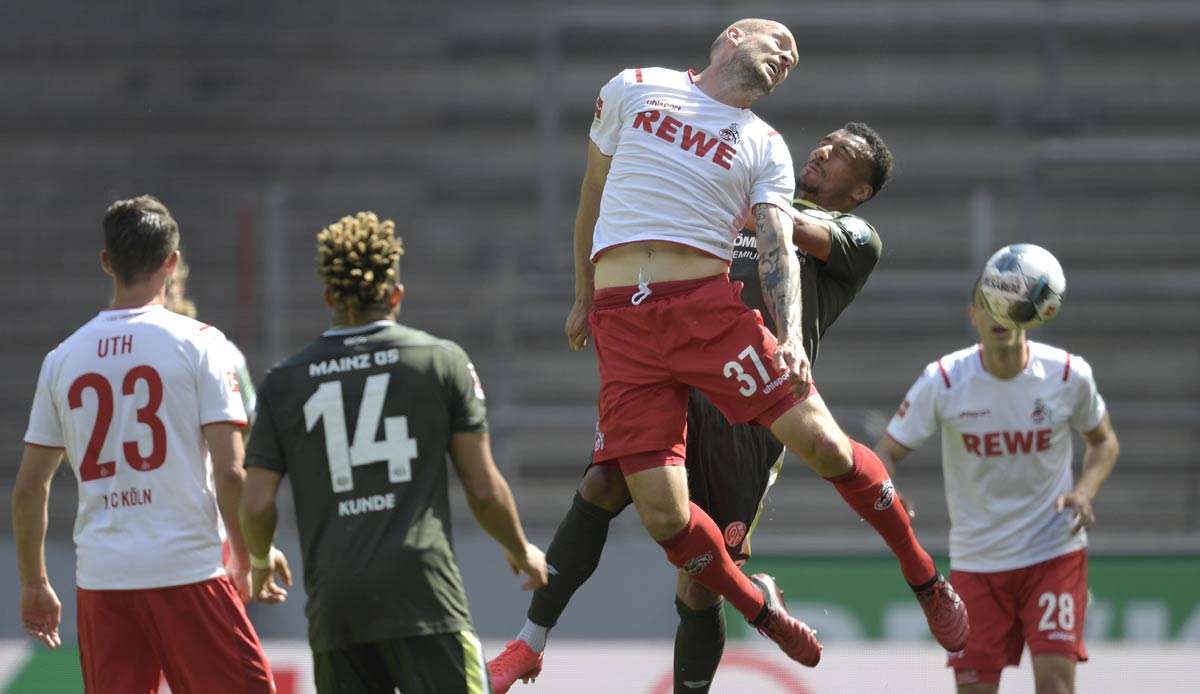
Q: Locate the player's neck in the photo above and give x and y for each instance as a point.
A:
(1005, 362)
(343, 319)
(138, 295)
(726, 91)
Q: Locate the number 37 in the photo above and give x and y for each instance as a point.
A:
(733, 369)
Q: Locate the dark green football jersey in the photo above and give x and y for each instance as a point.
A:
(360, 420)
(828, 287)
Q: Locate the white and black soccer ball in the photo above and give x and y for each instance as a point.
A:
(1022, 286)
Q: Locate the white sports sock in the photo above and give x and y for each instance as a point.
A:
(534, 635)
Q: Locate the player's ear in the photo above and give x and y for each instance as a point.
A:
(862, 193)
(172, 263)
(329, 298)
(397, 295)
(106, 264)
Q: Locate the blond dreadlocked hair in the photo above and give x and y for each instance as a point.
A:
(358, 258)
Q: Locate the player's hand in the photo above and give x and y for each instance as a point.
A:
(239, 573)
(1084, 516)
(532, 564)
(263, 585)
(40, 613)
(791, 359)
(577, 328)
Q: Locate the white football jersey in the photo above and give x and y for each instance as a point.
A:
(1006, 451)
(686, 168)
(126, 396)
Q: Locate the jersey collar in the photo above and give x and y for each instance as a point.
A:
(1033, 367)
(357, 329)
(122, 313)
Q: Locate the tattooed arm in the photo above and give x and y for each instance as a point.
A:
(779, 274)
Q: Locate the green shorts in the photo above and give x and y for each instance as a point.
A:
(434, 664)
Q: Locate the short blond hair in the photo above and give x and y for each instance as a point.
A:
(177, 299)
(358, 258)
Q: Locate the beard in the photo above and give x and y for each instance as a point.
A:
(748, 73)
(806, 186)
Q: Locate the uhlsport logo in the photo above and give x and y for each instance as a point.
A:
(695, 565)
(887, 494)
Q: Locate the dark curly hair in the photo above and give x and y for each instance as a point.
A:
(358, 258)
(881, 156)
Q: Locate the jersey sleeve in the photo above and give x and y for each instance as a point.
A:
(245, 381)
(854, 251)
(1089, 406)
(916, 419)
(264, 449)
(217, 382)
(606, 123)
(774, 182)
(45, 428)
(468, 407)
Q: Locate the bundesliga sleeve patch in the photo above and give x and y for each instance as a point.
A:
(478, 383)
(599, 108)
(858, 229)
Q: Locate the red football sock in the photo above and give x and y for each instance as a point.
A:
(699, 549)
(869, 491)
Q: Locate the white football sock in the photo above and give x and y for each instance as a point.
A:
(534, 635)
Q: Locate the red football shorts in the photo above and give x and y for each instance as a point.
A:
(197, 635)
(1043, 605)
(680, 334)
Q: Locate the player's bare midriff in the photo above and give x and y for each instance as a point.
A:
(654, 261)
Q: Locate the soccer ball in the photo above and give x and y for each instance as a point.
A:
(1022, 286)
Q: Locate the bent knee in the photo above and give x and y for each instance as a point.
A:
(829, 454)
(662, 523)
(604, 486)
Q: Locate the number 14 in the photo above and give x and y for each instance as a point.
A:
(396, 447)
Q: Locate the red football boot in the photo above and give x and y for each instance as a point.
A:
(793, 637)
(946, 614)
(517, 662)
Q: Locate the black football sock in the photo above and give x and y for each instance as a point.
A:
(699, 643)
(573, 555)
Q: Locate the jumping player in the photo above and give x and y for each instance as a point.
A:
(675, 162)
(144, 403)
(362, 419)
(1006, 408)
(730, 467)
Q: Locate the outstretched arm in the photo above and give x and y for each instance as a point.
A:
(891, 452)
(40, 608)
(226, 446)
(1098, 462)
(590, 194)
(810, 233)
(779, 274)
(257, 515)
(491, 502)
